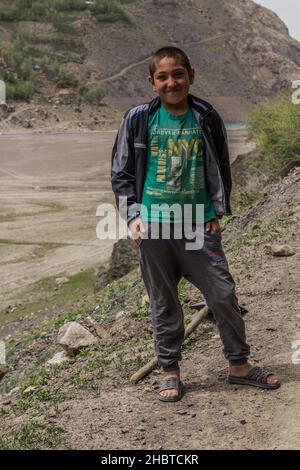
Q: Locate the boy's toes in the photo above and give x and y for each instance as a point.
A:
(169, 393)
(272, 379)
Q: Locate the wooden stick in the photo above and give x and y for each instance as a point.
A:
(145, 370)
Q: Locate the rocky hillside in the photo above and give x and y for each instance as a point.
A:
(82, 397)
(241, 51)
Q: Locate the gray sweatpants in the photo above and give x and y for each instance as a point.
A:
(163, 263)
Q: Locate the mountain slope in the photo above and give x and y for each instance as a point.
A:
(241, 51)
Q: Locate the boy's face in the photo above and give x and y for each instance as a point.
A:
(171, 81)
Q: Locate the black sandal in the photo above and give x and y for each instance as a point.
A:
(170, 383)
(257, 377)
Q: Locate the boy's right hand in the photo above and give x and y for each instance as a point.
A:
(137, 228)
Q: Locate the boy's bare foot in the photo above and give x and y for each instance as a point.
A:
(243, 369)
(171, 392)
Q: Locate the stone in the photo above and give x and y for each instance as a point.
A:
(13, 391)
(97, 327)
(144, 300)
(3, 370)
(61, 280)
(280, 250)
(124, 257)
(58, 358)
(120, 314)
(29, 390)
(72, 337)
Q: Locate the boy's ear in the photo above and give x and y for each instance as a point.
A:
(192, 76)
(151, 81)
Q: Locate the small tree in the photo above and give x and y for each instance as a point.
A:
(66, 79)
(93, 94)
(275, 127)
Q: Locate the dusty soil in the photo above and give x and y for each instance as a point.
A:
(51, 185)
(110, 413)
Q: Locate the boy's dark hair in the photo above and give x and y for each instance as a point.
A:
(174, 53)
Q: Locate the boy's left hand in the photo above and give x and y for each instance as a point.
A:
(213, 225)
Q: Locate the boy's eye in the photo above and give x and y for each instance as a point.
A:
(165, 77)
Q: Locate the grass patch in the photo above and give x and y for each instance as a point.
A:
(268, 233)
(47, 294)
(275, 128)
(33, 435)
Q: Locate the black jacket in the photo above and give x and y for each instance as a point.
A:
(130, 150)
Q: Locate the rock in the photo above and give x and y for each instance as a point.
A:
(3, 370)
(13, 391)
(58, 358)
(97, 327)
(120, 314)
(61, 280)
(73, 337)
(6, 402)
(198, 305)
(29, 390)
(124, 257)
(280, 250)
(144, 300)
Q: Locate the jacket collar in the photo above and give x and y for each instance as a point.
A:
(201, 106)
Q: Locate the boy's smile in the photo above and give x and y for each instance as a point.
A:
(172, 82)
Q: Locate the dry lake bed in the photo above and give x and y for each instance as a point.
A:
(50, 187)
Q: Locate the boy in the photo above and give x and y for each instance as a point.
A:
(174, 150)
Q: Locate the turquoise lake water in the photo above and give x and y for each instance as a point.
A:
(235, 125)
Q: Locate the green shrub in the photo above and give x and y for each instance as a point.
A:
(93, 94)
(66, 79)
(275, 127)
(46, 10)
(21, 90)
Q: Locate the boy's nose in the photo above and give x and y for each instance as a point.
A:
(172, 83)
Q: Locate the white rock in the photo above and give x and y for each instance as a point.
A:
(61, 280)
(72, 337)
(144, 300)
(29, 390)
(12, 391)
(280, 250)
(120, 314)
(58, 358)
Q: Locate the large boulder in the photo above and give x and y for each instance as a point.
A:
(124, 257)
(73, 337)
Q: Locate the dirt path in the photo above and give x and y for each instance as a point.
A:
(147, 59)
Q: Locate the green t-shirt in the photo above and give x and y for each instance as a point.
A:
(175, 169)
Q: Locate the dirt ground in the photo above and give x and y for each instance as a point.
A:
(214, 414)
(51, 185)
(110, 413)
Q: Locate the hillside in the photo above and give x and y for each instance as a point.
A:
(70, 55)
(88, 401)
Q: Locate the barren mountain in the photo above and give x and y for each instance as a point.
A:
(242, 52)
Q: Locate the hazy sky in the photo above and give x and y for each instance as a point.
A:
(289, 12)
